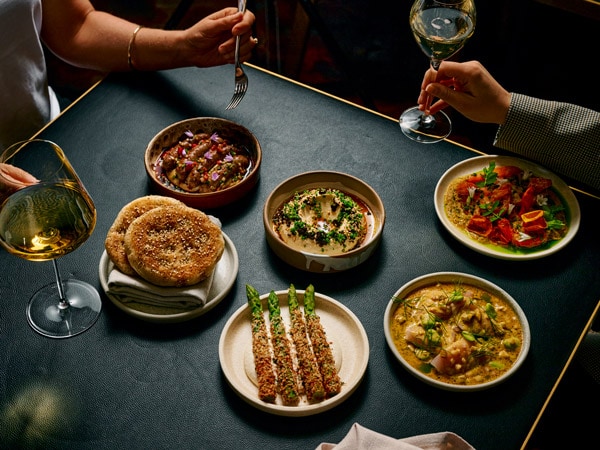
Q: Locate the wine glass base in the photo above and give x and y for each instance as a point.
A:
(47, 318)
(434, 129)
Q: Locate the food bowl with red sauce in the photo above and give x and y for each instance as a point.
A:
(301, 219)
(205, 162)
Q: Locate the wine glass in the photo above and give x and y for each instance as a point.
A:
(441, 28)
(45, 213)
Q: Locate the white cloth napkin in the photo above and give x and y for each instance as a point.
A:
(132, 289)
(361, 438)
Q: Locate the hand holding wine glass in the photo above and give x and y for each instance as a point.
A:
(441, 28)
(46, 213)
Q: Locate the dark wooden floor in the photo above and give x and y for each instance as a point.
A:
(362, 50)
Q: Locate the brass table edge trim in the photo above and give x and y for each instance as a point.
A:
(306, 86)
(311, 88)
(62, 111)
(561, 376)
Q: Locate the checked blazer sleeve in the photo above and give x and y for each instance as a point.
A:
(563, 137)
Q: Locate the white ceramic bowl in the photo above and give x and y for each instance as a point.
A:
(457, 277)
(232, 132)
(315, 262)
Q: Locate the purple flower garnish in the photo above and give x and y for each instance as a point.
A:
(214, 176)
(182, 152)
(208, 155)
(188, 133)
(214, 137)
(228, 158)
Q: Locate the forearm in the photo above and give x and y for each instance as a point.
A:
(103, 43)
(85, 37)
(563, 137)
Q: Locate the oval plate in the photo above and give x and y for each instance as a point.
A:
(480, 162)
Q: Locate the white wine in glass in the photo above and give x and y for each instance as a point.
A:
(45, 213)
(441, 28)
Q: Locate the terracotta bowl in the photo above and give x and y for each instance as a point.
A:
(318, 262)
(232, 132)
(457, 279)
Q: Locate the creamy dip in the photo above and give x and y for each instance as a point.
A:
(457, 333)
(322, 221)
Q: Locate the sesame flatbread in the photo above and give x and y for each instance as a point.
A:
(174, 246)
(114, 243)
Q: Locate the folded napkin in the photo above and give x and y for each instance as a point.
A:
(132, 289)
(361, 438)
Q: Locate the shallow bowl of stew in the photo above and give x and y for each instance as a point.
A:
(456, 331)
(206, 162)
(323, 221)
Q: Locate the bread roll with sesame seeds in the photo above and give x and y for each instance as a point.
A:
(114, 242)
(174, 246)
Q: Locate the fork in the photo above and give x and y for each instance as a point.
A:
(241, 79)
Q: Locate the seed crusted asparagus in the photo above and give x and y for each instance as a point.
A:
(286, 377)
(267, 386)
(320, 345)
(307, 365)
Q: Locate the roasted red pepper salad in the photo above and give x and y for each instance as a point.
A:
(507, 206)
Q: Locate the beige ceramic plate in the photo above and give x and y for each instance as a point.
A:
(478, 163)
(223, 279)
(456, 277)
(350, 347)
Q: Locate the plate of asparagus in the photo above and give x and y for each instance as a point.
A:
(293, 352)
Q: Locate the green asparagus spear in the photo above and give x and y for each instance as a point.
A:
(286, 378)
(293, 298)
(320, 345)
(307, 365)
(260, 348)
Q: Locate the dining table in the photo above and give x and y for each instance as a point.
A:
(132, 383)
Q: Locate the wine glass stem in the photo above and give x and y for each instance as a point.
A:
(435, 65)
(64, 303)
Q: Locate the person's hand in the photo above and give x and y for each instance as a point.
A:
(211, 41)
(12, 179)
(469, 88)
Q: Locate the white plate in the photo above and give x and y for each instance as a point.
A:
(454, 277)
(480, 162)
(350, 346)
(223, 279)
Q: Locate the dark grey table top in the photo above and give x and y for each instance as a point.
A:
(128, 383)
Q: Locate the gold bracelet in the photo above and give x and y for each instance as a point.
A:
(130, 47)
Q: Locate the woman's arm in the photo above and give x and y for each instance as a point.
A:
(561, 136)
(85, 37)
(467, 87)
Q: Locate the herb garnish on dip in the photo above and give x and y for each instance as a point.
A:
(323, 221)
